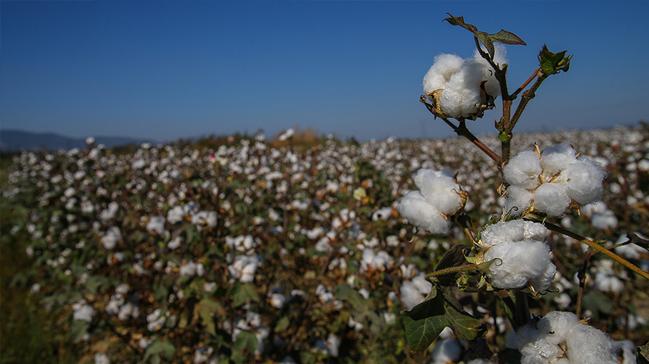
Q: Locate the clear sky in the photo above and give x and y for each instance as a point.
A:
(167, 69)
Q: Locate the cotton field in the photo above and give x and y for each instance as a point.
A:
(244, 249)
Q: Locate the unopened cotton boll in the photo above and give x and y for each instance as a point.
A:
(584, 181)
(523, 170)
(551, 199)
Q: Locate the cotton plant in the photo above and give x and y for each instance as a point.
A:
(510, 256)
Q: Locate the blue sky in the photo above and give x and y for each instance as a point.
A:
(168, 69)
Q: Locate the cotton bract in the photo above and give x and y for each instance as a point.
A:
(461, 87)
(519, 255)
(439, 196)
(549, 181)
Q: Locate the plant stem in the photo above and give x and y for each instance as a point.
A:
(527, 96)
(456, 269)
(463, 131)
(524, 85)
(582, 283)
(590, 243)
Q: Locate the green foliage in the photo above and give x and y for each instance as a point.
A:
(426, 321)
(552, 63)
(487, 40)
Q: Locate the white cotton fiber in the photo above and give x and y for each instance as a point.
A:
(626, 350)
(492, 86)
(458, 81)
(523, 170)
(414, 292)
(446, 351)
(439, 189)
(557, 325)
(551, 198)
(414, 207)
(584, 181)
(514, 230)
(556, 158)
(542, 282)
(517, 263)
(441, 71)
(587, 345)
(505, 231)
(518, 200)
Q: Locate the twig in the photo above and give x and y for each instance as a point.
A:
(527, 96)
(582, 283)
(463, 131)
(456, 269)
(590, 243)
(524, 85)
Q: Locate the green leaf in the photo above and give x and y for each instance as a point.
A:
(459, 21)
(507, 37)
(159, 348)
(485, 40)
(453, 257)
(282, 324)
(552, 63)
(346, 293)
(244, 346)
(207, 308)
(426, 321)
(244, 293)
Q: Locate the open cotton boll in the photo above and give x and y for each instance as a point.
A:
(461, 96)
(517, 263)
(542, 282)
(419, 212)
(440, 72)
(534, 348)
(587, 345)
(557, 325)
(626, 350)
(584, 181)
(414, 292)
(491, 86)
(439, 189)
(523, 170)
(446, 351)
(518, 200)
(557, 157)
(514, 230)
(551, 198)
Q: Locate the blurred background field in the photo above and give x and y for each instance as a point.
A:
(287, 250)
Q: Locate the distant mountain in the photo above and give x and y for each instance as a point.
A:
(17, 140)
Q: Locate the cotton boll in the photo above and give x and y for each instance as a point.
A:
(517, 263)
(542, 282)
(414, 292)
(584, 181)
(534, 231)
(518, 200)
(523, 170)
(506, 231)
(557, 325)
(587, 345)
(440, 72)
(446, 351)
(556, 158)
(551, 198)
(491, 86)
(626, 350)
(461, 97)
(414, 207)
(439, 189)
(532, 345)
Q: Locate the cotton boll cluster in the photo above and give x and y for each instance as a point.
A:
(550, 180)
(559, 337)
(244, 267)
(439, 197)
(82, 311)
(462, 88)
(518, 255)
